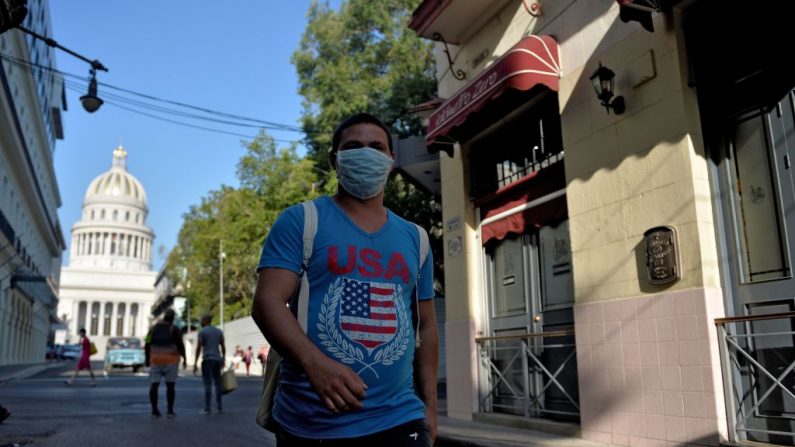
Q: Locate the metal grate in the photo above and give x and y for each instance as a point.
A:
(520, 376)
(759, 377)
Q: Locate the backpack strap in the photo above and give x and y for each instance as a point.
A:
(424, 247)
(310, 229)
(424, 244)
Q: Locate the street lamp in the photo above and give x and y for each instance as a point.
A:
(221, 256)
(91, 102)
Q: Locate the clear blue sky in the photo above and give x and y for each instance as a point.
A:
(228, 56)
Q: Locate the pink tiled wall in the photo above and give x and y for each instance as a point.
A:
(461, 358)
(649, 369)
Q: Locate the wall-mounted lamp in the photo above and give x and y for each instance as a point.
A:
(603, 83)
(91, 102)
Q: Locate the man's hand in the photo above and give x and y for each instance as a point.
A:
(337, 385)
(195, 369)
(185, 364)
(431, 423)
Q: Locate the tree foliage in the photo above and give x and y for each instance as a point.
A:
(364, 58)
(361, 58)
(271, 179)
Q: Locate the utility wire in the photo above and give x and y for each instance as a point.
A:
(31, 68)
(180, 123)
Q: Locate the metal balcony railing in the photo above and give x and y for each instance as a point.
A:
(532, 374)
(757, 362)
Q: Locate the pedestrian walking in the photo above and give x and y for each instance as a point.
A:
(247, 358)
(163, 350)
(263, 356)
(353, 372)
(85, 359)
(210, 339)
(237, 358)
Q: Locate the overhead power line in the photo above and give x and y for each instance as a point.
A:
(154, 107)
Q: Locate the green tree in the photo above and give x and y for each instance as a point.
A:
(271, 179)
(364, 58)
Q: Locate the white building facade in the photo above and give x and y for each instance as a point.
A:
(31, 239)
(108, 287)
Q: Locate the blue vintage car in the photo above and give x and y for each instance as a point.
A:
(123, 352)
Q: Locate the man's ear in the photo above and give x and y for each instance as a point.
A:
(332, 160)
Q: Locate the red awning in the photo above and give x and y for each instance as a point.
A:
(544, 188)
(533, 61)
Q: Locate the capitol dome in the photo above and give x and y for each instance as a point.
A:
(117, 185)
(113, 232)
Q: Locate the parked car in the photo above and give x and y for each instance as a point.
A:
(123, 352)
(70, 352)
(52, 352)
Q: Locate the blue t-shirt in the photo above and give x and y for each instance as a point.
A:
(361, 286)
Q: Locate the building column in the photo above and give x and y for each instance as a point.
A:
(125, 325)
(113, 311)
(8, 331)
(38, 339)
(90, 318)
(4, 323)
(14, 339)
(72, 327)
(145, 313)
(28, 346)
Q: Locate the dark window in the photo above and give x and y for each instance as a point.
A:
(527, 143)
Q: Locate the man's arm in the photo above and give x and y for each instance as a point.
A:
(177, 337)
(223, 348)
(198, 353)
(147, 341)
(426, 363)
(337, 385)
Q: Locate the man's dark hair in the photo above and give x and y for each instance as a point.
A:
(168, 316)
(359, 118)
(82, 329)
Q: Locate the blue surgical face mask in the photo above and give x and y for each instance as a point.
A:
(363, 172)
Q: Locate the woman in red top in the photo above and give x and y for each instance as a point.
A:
(85, 361)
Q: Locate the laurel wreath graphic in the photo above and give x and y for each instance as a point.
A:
(346, 352)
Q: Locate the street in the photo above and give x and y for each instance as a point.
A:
(46, 412)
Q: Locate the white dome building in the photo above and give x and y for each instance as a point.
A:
(108, 287)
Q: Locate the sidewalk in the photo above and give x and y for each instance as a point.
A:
(456, 432)
(17, 372)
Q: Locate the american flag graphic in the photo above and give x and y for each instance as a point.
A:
(367, 312)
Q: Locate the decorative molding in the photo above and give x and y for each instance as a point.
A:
(457, 73)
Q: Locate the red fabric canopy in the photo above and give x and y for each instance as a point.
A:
(533, 61)
(531, 187)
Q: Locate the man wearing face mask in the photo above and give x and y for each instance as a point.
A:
(363, 370)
